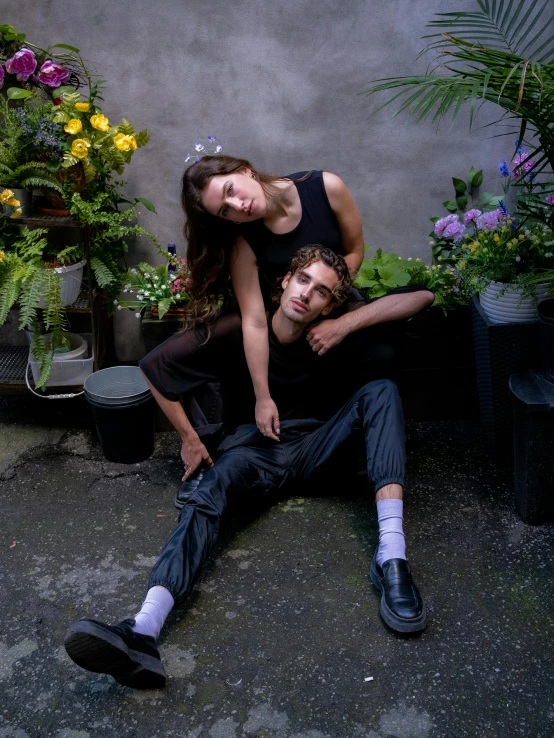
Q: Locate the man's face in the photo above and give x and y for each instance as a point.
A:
(308, 293)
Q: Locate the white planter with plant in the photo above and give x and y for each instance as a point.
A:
(503, 303)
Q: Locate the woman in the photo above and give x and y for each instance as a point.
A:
(247, 225)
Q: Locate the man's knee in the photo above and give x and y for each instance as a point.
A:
(382, 389)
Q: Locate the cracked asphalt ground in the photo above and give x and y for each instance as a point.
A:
(282, 636)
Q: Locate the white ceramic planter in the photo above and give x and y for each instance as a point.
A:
(70, 278)
(510, 307)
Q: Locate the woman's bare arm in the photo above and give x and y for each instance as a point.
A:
(349, 219)
(246, 284)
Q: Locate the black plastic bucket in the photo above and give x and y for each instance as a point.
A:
(123, 409)
(546, 317)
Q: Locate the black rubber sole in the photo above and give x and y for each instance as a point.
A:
(391, 619)
(103, 652)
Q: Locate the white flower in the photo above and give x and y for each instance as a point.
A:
(115, 302)
(119, 307)
(218, 149)
(172, 276)
(518, 258)
(548, 255)
(155, 277)
(128, 286)
(137, 315)
(133, 271)
(125, 290)
(199, 147)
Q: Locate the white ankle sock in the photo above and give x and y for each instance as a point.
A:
(391, 536)
(155, 609)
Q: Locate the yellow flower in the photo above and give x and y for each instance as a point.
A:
(82, 107)
(100, 122)
(418, 259)
(16, 213)
(73, 126)
(485, 250)
(433, 267)
(5, 196)
(496, 238)
(125, 143)
(1, 256)
(13, 202)
(521, 236)
(79, 148)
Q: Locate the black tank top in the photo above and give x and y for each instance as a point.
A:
(318, 224)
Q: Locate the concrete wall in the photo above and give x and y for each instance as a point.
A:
(278, 83)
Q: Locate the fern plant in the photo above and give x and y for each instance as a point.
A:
(30, 175)
(25, 277)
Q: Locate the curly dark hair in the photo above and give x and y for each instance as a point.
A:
(315, 252)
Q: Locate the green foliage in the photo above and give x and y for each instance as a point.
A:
(382, 273)
(126, 128)
(387, 271)
(502, 53)
(142, 138)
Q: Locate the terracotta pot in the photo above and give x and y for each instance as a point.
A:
(173, 312)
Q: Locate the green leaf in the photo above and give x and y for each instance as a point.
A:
(450, 205)
(18, 93)
(65, 46)
(63, 90)
(163, 306)
(142, 138)
(126, 128)
(147, 204)
(477, 179)
(52, 165)
(471, 174)
(485, 197)
(459, 185)
(461, 201)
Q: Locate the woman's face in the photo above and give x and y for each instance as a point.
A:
(236, 197)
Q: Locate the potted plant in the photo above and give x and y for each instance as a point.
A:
(161, 289)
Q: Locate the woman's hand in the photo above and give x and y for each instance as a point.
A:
(267, 418)
(326, 334)
(194, 453)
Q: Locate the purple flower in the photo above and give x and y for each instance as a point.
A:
(1, 76)
(455, 231)
(504, 169)
(22, 64)
(471, 215)
(211, 139)
(550, 199)
(52, 75)
(489, 221)
(187, 156)
(503, 209)
(522, 160)
(441, 224)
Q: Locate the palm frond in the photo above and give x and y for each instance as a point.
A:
(523, 28)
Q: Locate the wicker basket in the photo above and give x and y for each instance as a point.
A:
(76, 174)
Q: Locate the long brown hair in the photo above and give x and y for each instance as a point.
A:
(210, 239)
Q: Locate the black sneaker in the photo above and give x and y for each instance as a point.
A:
(402, 607)
(188, 488)
(131, 658)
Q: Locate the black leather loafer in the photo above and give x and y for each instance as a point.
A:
(130, 658)
(402, 607)
(188, 488)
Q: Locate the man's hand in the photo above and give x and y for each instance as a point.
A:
(194, 453)
(267, 418)
(326, 334)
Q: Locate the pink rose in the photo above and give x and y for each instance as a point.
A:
(454, 231)
(550, 199)
(471, 215)
(441, 224)
(22, 64)
(52, 75)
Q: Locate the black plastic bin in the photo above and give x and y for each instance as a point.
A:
(124, 413)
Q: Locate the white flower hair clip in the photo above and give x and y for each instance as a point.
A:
(208, 149)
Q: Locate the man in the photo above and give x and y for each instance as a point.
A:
(251, 464)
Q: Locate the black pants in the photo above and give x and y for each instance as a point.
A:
(263, 467)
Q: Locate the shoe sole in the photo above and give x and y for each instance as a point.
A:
(390, 618)
(103, 652)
